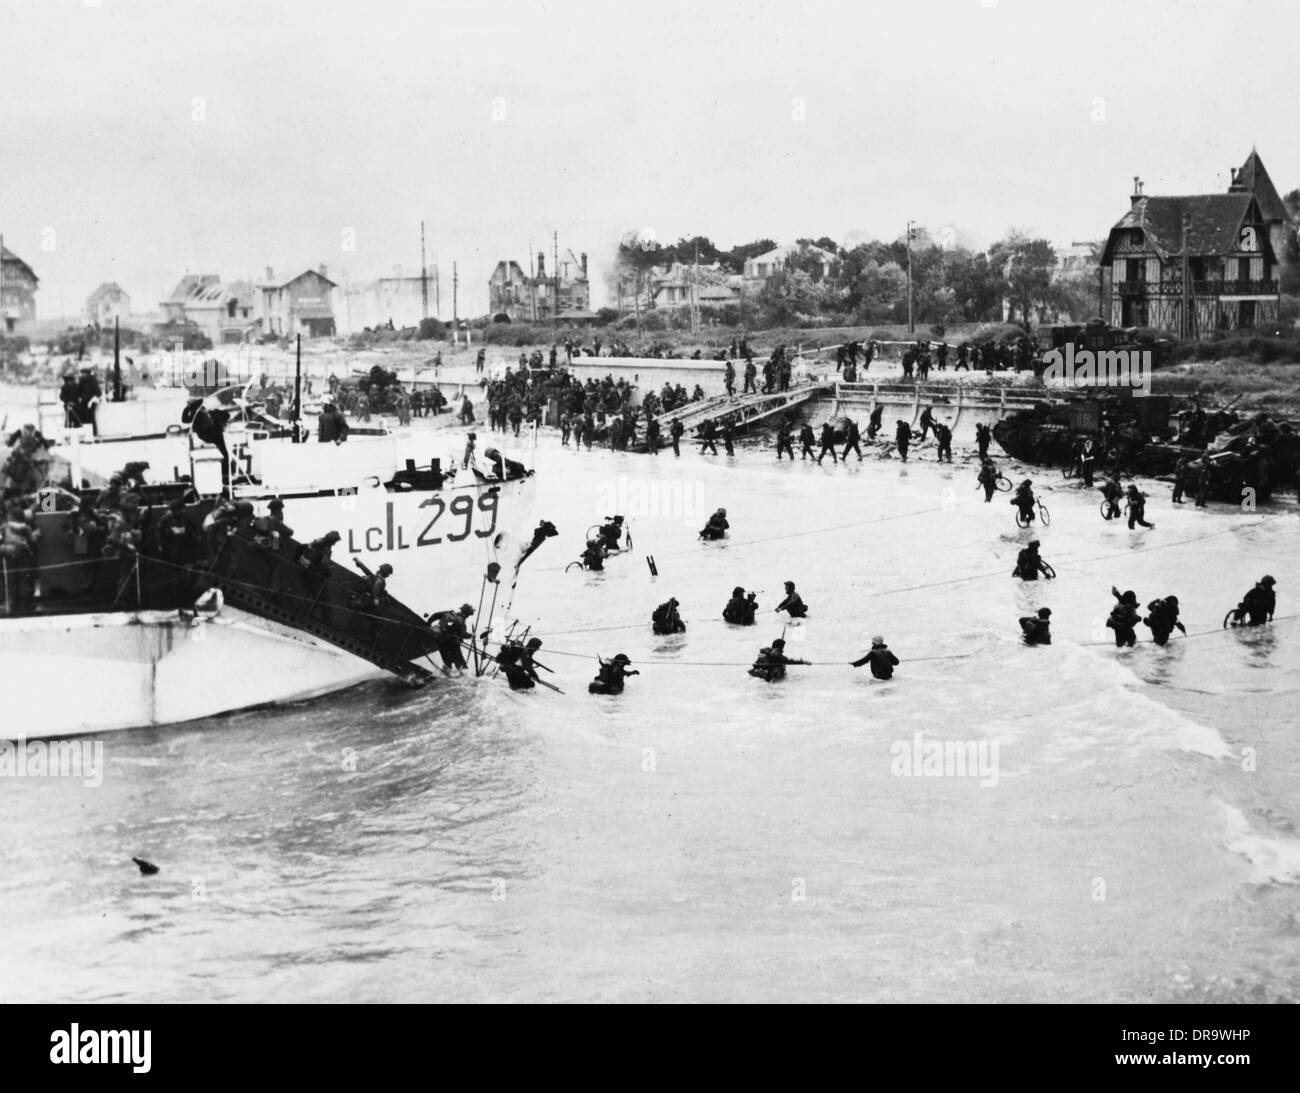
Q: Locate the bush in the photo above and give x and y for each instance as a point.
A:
(431, 329)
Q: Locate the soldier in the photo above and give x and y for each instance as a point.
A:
(450, 633)
(675, 431)
(902, 438)
(988, 478)
(783, 441)
(666, 619)
(793, 603)
(944, 436)
(828, 443)
(1037, 629)
(1123, 618)
(729, 437)
(807, 439)
(729, 379)
(609, 680)
(852, 437)
(751, 374)
(873, 422)
(1137, 507)
(741, 608)
(880, 658)
(772, 661)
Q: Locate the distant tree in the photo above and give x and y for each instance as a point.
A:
(789, 296)
(686, 250)
(825, 242)
(867, 288)
(1025, 266)
(977, 288)
(636, 256)
(737, 256)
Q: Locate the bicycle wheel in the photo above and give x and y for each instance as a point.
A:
(572, 564)
(1105, 510)
(1044, 515)
(1228, 618)
(1048, 571)
(1068, 473)
(1021, 519)
(1002, 484)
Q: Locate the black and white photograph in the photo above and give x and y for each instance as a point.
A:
(722, 503)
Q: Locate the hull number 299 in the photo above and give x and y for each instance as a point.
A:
(461, 509)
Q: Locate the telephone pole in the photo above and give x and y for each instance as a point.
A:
(911, 325)
(424, 277)
(455, 322)
(555, 273)
(1185, 328)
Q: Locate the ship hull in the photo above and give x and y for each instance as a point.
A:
(106, 672)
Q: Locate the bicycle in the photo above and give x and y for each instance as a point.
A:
(1043, 515)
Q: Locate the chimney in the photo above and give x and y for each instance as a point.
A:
(321, 270)
(270, 274)
(584, 263)
(541, 263)
(1234, 173)
(1137, 191)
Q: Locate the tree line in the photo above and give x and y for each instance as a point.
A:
(867, 283)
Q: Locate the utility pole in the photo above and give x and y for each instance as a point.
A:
(555, 257)
(532, 283)
(695, 315)
(1186, 327)
(424, 278)
(455, 322)
(911, 325)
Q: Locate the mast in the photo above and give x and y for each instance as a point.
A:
(911, 326)
(297, 394)
(117, 363)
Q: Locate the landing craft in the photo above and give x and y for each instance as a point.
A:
(100, 651)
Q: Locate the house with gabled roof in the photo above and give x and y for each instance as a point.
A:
(187, 289)
(300, 305)
(224, 311)
(1200, 263)
(108, 302)
(18, 283)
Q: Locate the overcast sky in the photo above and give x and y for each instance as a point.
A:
(144, 139)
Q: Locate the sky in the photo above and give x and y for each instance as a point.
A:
(141, 140)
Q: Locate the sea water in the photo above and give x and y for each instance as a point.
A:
(1125, 830)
